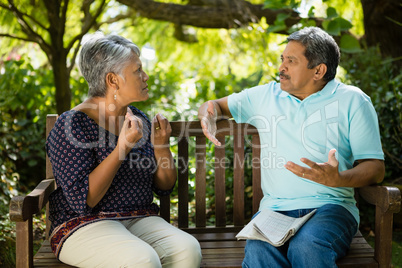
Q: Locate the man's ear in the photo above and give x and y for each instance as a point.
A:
(320, 71)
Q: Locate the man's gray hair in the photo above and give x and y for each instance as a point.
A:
(320, 48)
(102, 54)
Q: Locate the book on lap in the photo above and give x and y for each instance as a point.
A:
(272, 227)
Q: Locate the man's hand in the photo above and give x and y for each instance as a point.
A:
(324, 173)
(208, 122)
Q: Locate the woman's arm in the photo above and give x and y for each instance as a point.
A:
(166, 174)
(102, 176)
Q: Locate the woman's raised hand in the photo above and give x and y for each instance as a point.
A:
(131, 132)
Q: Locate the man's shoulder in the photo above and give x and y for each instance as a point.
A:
(350, 93)
(261, 90)
(352, 90)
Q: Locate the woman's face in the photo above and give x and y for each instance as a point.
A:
(134, 87)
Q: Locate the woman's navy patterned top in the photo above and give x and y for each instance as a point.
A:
(76, 146)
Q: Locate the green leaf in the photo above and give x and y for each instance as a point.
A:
(311, 12)
(343, 24)
(349, 44)
(332, 27)
(279, 24)
(276, 28)
(32, 162)
(331, 13)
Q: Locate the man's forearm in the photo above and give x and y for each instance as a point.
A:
(220, 107)
(367, 172)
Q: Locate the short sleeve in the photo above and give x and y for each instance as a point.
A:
(244, 105)
(364, 135)
(69, 149)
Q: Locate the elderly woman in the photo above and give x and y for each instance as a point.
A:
(108, 158)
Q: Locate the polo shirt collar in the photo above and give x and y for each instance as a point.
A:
(329, 89)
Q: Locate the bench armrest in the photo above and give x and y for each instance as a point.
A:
(387, 198)
(24, 207)
(387, 201)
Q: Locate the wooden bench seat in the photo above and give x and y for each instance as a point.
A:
(219, 245)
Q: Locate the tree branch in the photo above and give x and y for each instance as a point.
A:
(115, 19)
(219, 16)
(25, 15)
(32, 35)
(88, 22)
(17, 37)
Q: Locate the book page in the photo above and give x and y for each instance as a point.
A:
(272, 227)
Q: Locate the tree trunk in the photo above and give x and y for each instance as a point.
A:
(382, 25)
(61, 76)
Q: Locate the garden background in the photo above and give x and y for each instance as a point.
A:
(193, 50)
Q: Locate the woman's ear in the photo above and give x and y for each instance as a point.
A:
(111, 80)
(320, 71)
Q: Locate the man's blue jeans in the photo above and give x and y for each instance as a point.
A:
(323, 239)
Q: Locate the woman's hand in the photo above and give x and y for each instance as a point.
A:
(130, 133)
(165, 175)
(160, 132)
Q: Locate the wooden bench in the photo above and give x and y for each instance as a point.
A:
(218, 243)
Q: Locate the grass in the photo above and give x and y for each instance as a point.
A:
(396, 261)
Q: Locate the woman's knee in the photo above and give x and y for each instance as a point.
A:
(186, 252)
(147, 259)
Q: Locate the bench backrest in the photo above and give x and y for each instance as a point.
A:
(243, 134)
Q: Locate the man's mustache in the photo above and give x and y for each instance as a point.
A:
(284, 75)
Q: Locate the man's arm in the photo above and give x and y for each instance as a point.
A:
(210, 112)
(367, 172)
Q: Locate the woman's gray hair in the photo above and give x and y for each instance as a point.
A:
(320, 48)
(101, 55)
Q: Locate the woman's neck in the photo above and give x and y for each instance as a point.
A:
(104, 112)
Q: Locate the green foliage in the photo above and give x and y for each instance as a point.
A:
(383, 83)
(25, 99)
(333, 24)
(279, 4)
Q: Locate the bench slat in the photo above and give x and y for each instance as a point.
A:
(238, 179)
(257, 192)
(200, 181)
(220, 183)
(182, 183)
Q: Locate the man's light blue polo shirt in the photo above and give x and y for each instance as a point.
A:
(339, 116)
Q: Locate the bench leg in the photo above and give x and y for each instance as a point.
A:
(24, 244)
(383, 237)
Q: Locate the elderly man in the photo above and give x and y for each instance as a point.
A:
(325, 138)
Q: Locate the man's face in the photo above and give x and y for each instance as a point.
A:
(295, 77)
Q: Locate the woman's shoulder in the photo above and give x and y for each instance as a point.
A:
(74, 119)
